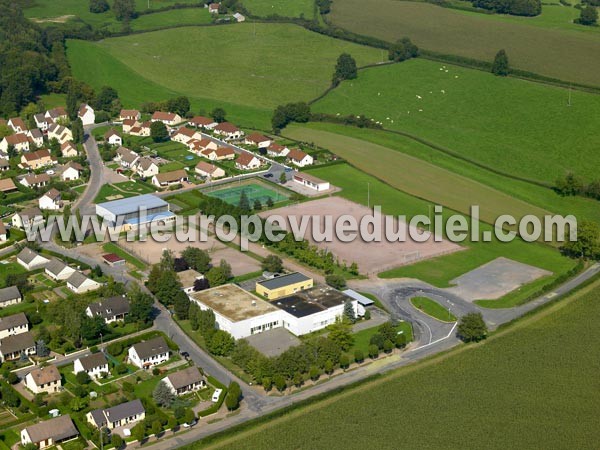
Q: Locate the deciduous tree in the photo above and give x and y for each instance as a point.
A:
(472, 327)
(500, 66)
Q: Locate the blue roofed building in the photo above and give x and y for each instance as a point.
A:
(135, 211)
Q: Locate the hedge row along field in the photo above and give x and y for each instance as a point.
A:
(516, 126)
(566, 55)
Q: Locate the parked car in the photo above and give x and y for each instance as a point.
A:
(216, 395)
(268, 175)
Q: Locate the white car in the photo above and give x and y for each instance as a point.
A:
(50, 172)
(216, 395)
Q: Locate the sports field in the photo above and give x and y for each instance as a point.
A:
(563, 54)
(442, 270)
(515, 390)
(257, 71)
(515, 126)
(253, 191)
(283, 8)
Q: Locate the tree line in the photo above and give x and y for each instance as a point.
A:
(512, 7)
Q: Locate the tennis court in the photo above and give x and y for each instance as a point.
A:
(253, 191)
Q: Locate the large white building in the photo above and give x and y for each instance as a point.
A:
(242, 314)
(135, 211)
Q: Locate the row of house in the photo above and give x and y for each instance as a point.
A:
(57, 270)
(141, 165)
(15, 338)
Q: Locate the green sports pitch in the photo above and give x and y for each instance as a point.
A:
(253, 191)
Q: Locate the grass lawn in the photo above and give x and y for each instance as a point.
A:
(441, 270)
(472, 175)
(111, 247)
(257, 73)
(541, 139)
(125, 189)
(179, 17)
(433, 309)
(53, 100)
(11, 268)
(469, 391)
(284, 8)
(478, 36)
(362, 338)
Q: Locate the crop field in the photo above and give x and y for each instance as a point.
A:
(515, 390)
(319, 133)
(253, 191)
(254, 70)
(441, 270)
(560, 54)
(515, 126)
(283, 8)
(417, 177)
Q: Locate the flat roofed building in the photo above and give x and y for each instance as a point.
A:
(313, 309)
(49, 432)
(311, 181)
(237, 311)
(283, 285)
(135, 211)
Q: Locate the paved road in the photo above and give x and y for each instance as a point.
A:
(86, 200)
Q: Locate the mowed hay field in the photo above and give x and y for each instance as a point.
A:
(518, 389)
(283, 8)
(257, 66)
(426, 180)
(570, 56)
(417, 177)
(515, 126)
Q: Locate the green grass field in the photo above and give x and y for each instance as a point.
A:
(283, 8)
(433, 309)
(253, 191)
(441, 270)
(256, 73)
(47, 11)
(515, 390)
(544, 198)
(563, 54)
(121, 190)
(419, 178)
(362, 339)
(11, 268)
(516, 126)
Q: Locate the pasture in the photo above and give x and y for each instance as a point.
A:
(563, 54)
(442, 270)
(47, 11)
(256, 70)
(283, 8)
(511, 391)
(544, 198)
(253, 191)
(417, 177)
(515, 126)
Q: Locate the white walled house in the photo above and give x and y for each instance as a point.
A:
(71, 171)
(3, 235)
(49, 432)
(58, 270)
(131, 114)
(44, 379)
(311, 182)
(228, 131)
(127, 413)
(86, 114)
(149, 353)
(257, 140)
(17, 124)
(111, 309)
(113, 138)
(208, 170)
(80, 284)
(60, 133)
(51, 200)
(10, 296)
(31, 260)
(299, 158)
(146, 168)
(185, 381)
(94, 365)
(247, 161)
(276, 150)
(69, 150)
(19, 141)
(13, 325)
(169, 119)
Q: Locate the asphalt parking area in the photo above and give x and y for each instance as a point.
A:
(273, 342)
